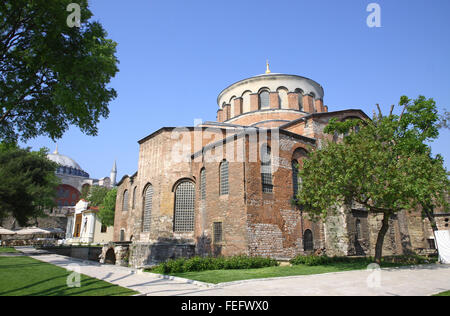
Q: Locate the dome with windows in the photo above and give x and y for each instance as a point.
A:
(269, 97)
(67, 165)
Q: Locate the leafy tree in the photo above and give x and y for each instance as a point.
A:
(28, 183)
(107, 209)
(105, 200)
(380, 165)
(97, 195)
(444, 120)
(52, 75)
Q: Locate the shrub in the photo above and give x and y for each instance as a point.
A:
(394, 260)
(210, 263)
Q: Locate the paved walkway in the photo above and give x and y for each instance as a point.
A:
(419, 280)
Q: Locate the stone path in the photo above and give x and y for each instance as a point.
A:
(419, 280)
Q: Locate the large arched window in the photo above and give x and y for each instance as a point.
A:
(125, 201)
(297, 162)
(308, 241)
(266, 169)
(224, 189)
(264, 99)
(184, 207)
(203, 184)
(295, 182)
(133, 204)
(147, 206)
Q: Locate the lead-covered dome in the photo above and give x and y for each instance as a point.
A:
(67, 165)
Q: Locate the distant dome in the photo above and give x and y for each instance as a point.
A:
(66, 164)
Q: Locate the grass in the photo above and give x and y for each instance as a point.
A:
(443, 294)
(8, 250)
(24, 276)
(220, 276)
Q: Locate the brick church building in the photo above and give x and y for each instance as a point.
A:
(226, 187)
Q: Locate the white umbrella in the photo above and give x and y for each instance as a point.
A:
(54, 230)
(32, 231)
(4, 231)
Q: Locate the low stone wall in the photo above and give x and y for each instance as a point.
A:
(83, 253)
(149, 254)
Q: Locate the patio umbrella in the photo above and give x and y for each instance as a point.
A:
(32, 231)
(4, 231)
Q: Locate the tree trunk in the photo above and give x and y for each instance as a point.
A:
(380, 238)
(430, 215)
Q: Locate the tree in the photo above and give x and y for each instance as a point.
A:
(28, 185)
(105, 200)
(96, 195)
(380, 165)
(52, 75)
(108, 207)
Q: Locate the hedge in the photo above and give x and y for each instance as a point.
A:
(211, 263)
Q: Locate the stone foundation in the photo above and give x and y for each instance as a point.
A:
(153, 253)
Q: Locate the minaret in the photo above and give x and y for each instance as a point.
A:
(113, 174)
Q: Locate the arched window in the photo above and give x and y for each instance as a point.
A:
(224, 178)
(203, 184)
(283, 98)
(246, 101)
(300, 99)
(264, 102)
(125, 201)
(308, 241)
(266, 169)
(295, 182)
(134, 199)
(184, 207)
(147, 206)
(122, 235)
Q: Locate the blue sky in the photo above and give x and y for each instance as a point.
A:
(176, 57)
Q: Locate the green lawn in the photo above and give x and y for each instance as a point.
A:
(20, 276)
(5, 249)
(219, 276)
(443, 294)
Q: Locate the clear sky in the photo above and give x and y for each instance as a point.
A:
(176, 57)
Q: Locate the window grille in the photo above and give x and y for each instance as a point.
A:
(125, 201)
(266, 169)
(203, 184)
(134, 198)
(184, 207)
(295, 177)
(147, 215)
(264, 98)
(358, 229)
(218, 232)
(224, 189)
(308, 242)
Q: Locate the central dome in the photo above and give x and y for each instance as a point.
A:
(66, 164)
(269, 98)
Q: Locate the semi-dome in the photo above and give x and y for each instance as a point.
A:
(66, 164)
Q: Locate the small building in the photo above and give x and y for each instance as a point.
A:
(84, 226)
